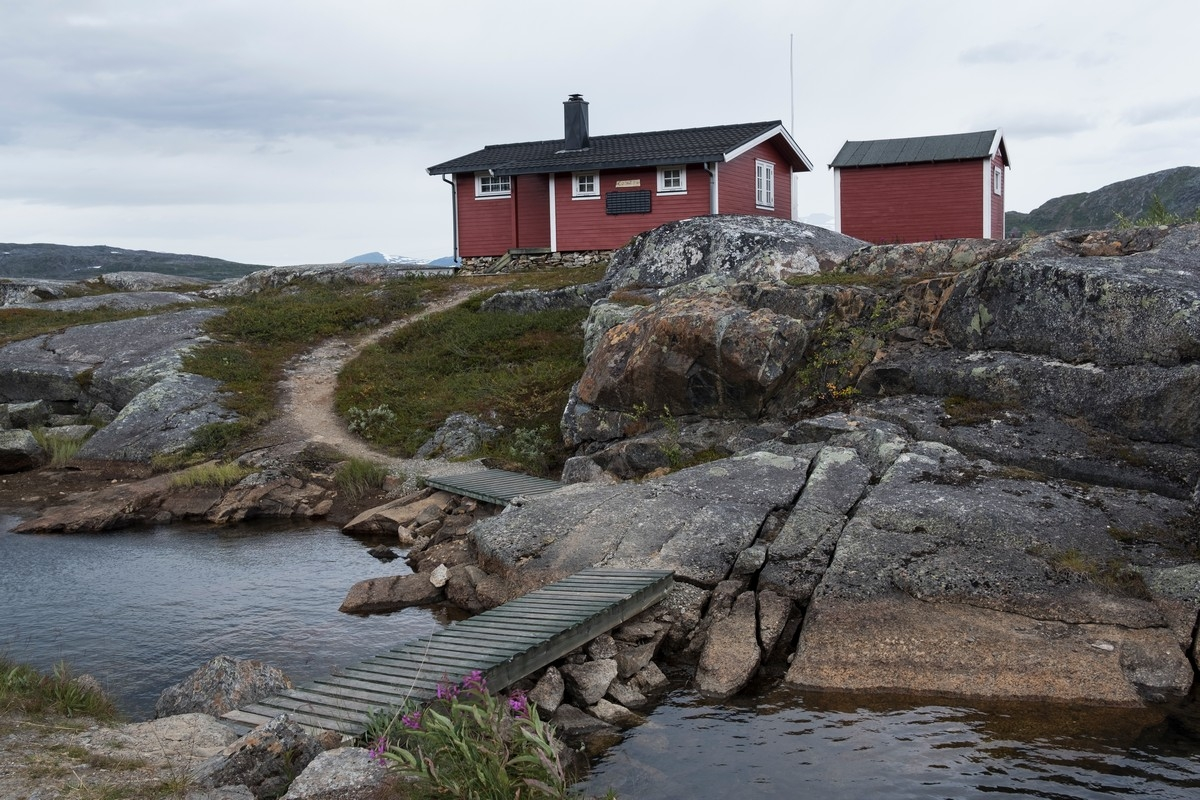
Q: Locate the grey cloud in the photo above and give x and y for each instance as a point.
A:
(1008, 52)
(1187, 108)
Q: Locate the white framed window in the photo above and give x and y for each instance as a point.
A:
(998, 181)
(672, 180)
(586, 185)
(492, 185)
(764, 184)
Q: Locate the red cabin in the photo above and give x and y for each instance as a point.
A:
(589, 194)
(921, 189)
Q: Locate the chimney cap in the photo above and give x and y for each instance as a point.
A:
(575, 98)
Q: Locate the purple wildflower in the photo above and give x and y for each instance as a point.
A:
(518, 702)
(447, 690)
(411, 720)
(376, 752)
(475, 682)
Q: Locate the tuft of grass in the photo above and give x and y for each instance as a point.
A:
(358, 476)
(518, 366)
(1113, 574)
(23, 688)
(219, 475)
(60, 449)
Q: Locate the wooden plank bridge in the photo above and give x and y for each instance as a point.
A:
(496, 486)
(505, 644)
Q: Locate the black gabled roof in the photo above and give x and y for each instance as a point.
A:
(921, 150)
(654, 148)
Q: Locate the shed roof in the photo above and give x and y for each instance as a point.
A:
(621, 151)
(921, 150)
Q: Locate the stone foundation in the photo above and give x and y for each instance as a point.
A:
(532, 262)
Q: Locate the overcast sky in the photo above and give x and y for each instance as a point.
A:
(298, 131)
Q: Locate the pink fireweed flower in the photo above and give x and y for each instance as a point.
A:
(447, 690)
(518, 703)
(376, 752)
(411, 720)
(475, 682)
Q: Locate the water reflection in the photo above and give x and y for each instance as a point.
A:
(140, 610)
(788, 744)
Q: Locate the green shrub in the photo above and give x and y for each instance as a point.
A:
(470, 743)
(359, 476)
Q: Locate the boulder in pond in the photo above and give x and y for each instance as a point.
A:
(221, 685)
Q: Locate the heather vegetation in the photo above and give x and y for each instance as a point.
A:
(513, 369)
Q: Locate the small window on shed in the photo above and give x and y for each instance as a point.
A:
(998, 180)
(764, 184)
(492, 185)
(672, 180)
(586, 184)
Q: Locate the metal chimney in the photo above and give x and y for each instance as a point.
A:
(575, 123)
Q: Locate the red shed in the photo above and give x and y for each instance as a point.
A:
(591, 194)
(921, 189)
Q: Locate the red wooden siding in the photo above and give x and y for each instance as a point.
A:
(736, 184)
(998, 231)
(533, 210)
(584, 225)
(485, 227)
(912, 202)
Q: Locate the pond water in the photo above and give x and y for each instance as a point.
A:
(141, 610)
(789, 744)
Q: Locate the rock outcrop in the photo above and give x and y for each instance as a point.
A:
(221, 685)
(1010, 509)
(268, 493)
(133, 366)
(266, 760)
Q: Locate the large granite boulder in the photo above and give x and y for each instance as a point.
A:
(745, 248)
(693, 355)
(266, 760)
(221, 685)
(19, 451)
(347, 773)
(161, 418)
(391, 593)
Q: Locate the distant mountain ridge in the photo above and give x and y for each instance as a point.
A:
(71, 262)
(379, 258)
(1178, 188)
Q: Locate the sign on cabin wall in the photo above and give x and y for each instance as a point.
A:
(629, 184)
